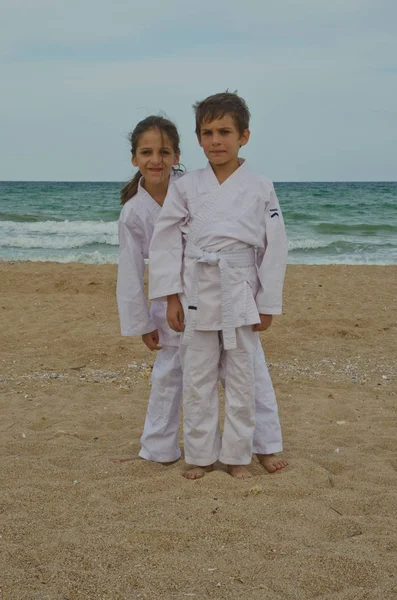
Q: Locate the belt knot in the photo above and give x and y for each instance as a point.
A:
(211, 258)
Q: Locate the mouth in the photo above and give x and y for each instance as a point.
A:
(155, 170)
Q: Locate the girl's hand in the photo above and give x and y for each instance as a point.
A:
(175, 314)
(151, 340)
(266, 321)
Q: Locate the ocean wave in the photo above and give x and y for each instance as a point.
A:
(306, 244)
(338, 246)
(58, 242)
(355, 228)
(57, 235)
(93, 258)
(99, 258)
(297, 217)
(60, 227)
(22, 218)
(359, 260)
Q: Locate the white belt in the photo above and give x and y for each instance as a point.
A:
(224, 260)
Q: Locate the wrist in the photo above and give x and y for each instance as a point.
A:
(173, 298)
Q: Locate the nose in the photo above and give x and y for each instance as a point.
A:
(215, 139)
(157, 159)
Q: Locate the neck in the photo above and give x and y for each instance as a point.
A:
(158, 191)
(222, 172)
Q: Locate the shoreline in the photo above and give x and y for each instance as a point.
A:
(6, 261)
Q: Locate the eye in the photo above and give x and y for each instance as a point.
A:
(205, 133)
(165, 152)
(145, 152)
(224, 131)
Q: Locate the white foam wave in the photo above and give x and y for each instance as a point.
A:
(57, 242)
(342, 261)
(302, 244)
(61, 227)
(99, 258)
(57, 235)
(93, 258)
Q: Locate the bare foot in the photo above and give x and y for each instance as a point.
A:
(272, 462)
(239, 471)
(197, 472)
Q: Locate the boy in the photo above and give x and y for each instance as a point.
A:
(203, 260)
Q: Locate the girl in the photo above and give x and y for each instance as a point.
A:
(155, 151)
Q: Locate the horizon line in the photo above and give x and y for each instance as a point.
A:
(123, 181)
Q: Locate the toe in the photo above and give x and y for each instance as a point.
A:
(195, 473)
(281, 464)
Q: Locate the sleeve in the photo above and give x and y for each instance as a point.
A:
(273, 260)
(133, 306)
(166, 248)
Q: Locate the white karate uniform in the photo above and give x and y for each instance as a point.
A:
(159, 441)
(203, 250)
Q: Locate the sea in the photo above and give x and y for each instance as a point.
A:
(327, 223)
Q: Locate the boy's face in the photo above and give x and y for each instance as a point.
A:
(221, 140)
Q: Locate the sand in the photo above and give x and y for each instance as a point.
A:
(75, 525)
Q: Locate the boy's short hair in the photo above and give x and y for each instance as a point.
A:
(219, 105)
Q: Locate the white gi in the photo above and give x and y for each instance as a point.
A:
(159, 441)
(203, 250)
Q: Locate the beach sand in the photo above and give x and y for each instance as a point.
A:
(75, 525)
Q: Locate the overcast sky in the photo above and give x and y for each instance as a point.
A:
(320, 78)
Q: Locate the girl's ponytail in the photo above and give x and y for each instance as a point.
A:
(130, 188)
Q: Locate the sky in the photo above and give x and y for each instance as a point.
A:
(319, 77)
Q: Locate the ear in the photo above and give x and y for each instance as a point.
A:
(176, 160)
(134, 161)
(199, 139)
(245, 137)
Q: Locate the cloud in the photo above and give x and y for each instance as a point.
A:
(319, 79)
(68, 29)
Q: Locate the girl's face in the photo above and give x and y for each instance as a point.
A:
(155, 156)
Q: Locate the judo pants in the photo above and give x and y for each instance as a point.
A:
(202, 360)
(159, 441)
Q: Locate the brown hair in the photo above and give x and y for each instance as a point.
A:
(165, 127)
(219, 105)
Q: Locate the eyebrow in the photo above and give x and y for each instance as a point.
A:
(150, 148)
(222, 127)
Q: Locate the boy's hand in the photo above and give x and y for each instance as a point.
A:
(151, 340)
(175, 314)
(266, 321)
